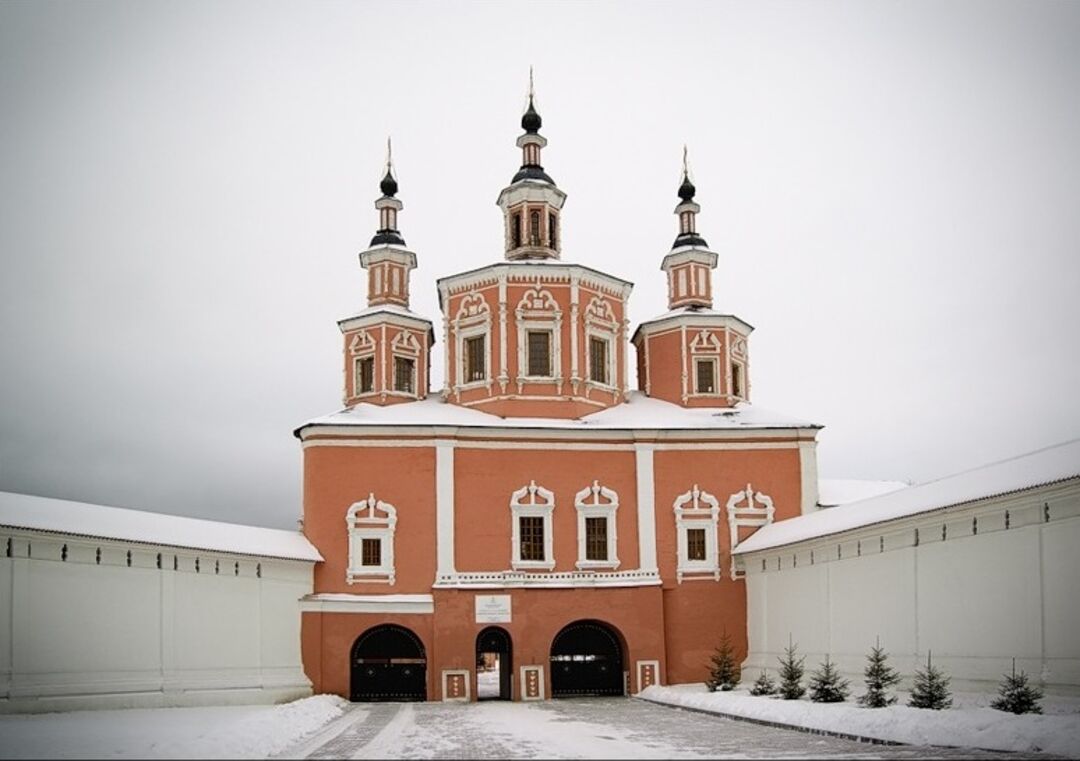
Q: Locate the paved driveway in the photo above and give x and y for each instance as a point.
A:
(583, 728)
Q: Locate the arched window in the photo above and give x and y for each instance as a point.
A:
(515, 231)
(552, 237)
(534, 228)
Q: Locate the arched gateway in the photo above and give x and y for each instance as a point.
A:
(586, 659)
(494, 664)
(388, 664)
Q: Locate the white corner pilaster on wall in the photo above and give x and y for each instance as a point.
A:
(808, 469)
(444, 506)
(646, 506)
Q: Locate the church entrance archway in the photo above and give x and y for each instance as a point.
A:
(494, 664)
(388, 664)
(586, 659)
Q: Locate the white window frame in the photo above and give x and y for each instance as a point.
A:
(600, 323)
(405, 346)
(747, 516)
(701, 517)
(538, 311)
(362, 347)
(706, 346)
(473, 319)
(604, 504)
(540, 504)
(731, 379)
(371, 525)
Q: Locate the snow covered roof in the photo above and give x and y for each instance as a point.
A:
(1038, 468)
(81, 519)
(384, 308)
(840, 491)
(640, 412)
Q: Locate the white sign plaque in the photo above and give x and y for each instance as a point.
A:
(493, 609)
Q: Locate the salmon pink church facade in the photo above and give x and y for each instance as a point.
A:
(536, 525)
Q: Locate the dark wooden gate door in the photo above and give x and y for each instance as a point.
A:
(388, 663)
(495, 639)
(586, 659)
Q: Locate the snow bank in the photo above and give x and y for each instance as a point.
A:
(210, 732)
(967, 725)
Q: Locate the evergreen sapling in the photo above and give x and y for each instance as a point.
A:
(931, 688)
(791, 673)
(879, 677)
(826, 685)
(763, 685)
(1016, 695)
(723, 671)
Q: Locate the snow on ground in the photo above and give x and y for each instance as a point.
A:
(208, 732)
(971, 723)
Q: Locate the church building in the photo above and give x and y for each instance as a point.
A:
(536, 528)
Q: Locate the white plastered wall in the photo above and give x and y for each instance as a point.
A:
(976, 598)
(76, 633)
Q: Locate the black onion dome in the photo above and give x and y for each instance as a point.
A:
(388, 186)
(687, 189)
(530, 120)
(689, 239)
(532, 172)
(384, 237)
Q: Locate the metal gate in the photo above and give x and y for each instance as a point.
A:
(586, 659)
(388, 663)
(495, 639)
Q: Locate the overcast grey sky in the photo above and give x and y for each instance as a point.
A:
(893, 190)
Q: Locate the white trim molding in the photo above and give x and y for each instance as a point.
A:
(541, 504)
(747, 516)
(555, 580)
(473, 319)
(703, 513)
(346, 603)
(539, 312)
(371, 526)
(604, 504)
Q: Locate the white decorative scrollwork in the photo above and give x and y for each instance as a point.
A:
(748, 515)
(697, 510)
(374, 521)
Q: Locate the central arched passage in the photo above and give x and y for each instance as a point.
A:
(388, 663)
(586, 659)
(494, 664)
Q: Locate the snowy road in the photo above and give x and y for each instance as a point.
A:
(586, 728)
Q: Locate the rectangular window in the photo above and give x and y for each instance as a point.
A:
(532, 537)
(365, 375)
(736, 379)
(403, 374)
(596, 539)
(539, 353)
(695, 544)
(515, 232)
(551, 231)
(706, 383)
(371, 552)
(474, 359)
(598, 360)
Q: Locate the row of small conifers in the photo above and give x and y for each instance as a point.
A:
(930, 688)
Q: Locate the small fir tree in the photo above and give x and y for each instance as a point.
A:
(826, 685)
(931, 688)
(791, 673)
(879, 677)
(723, 671)
(763, 685)
(1016, 695)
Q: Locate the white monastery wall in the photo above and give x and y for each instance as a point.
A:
(79, 633)
(1002, 583)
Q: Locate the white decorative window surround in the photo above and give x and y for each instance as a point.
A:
(362, 347)
(473, 319)
(406, 346)
(532, 501)
(597, 501)
(697, 511)
(600, 323)
(538, 311)
(373, 520)
(747, 515)
(706, 347)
